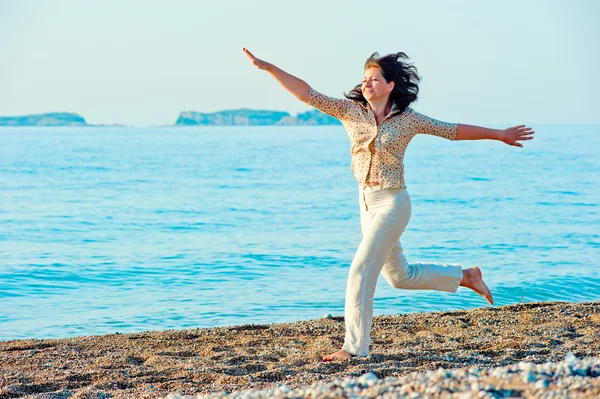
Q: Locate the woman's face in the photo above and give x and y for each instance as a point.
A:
(374, 86)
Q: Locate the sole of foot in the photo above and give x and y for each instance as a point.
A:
(480, 287)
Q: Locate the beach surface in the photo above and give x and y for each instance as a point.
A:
(282, 359)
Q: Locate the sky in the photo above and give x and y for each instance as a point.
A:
(141, 63)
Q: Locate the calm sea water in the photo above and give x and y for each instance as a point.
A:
(108, 230)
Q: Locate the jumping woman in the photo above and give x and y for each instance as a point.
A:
(380, 124)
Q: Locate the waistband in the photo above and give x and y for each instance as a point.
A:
(369, 189)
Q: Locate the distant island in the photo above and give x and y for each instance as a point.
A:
(52, 119)
(249, 117)
(238, 117)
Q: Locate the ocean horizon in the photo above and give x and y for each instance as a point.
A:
(127, 229)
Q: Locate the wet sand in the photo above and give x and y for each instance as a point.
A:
(205, 360)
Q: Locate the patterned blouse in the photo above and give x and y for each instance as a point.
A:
(378, 151)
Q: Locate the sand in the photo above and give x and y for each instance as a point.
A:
(205, 360)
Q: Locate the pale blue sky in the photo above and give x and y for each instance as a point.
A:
(142, 62)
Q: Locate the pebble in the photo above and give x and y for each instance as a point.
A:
(529, 377)
(525, 366)
(570, 377)
(368, 379)
(348, 384)
(541, 384)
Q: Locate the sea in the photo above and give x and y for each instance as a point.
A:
(120, 229)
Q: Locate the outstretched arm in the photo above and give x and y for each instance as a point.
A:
(297, 87)
(510, 136)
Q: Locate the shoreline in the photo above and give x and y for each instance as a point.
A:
(265, 356)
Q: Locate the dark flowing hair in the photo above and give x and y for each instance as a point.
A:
(393, 67)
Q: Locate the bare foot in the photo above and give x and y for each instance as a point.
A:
(339, 355)
(473, 279)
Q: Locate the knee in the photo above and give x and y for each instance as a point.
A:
(356, 278)
(402, 279)
(398, 283)
(360, 279)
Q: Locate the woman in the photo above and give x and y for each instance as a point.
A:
(380, 124)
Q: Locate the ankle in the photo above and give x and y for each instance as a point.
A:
(467, 277)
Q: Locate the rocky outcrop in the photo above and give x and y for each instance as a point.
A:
(51, 119)
(248, 117)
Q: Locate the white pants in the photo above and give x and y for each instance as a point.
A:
(384, 214)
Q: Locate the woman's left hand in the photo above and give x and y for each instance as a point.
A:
(513, 135)
(260, 64)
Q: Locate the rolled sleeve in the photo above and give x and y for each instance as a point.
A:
(426, 125)
(335, 107)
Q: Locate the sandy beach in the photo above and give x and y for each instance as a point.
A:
(227, 359)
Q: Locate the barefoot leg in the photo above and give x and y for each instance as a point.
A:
(473, 279)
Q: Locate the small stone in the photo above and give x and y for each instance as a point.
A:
(525, 366)
(541, 384)
(441, 372)
(528, 377)
(368, 379)
(436, 390)
(570, 358)
(348, 384)
(285, 388)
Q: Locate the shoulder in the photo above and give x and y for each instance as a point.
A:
(318, 97)
(411, 111)
(414, 115)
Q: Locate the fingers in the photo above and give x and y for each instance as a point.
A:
(248, 53)
(260, 64)
(519, 133)
(524, 132)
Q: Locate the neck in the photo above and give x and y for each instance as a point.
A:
(380, 108)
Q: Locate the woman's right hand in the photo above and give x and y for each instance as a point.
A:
(260, 64)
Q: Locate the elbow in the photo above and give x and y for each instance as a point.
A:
(304, 98)
(304, 95)
(458, 135)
